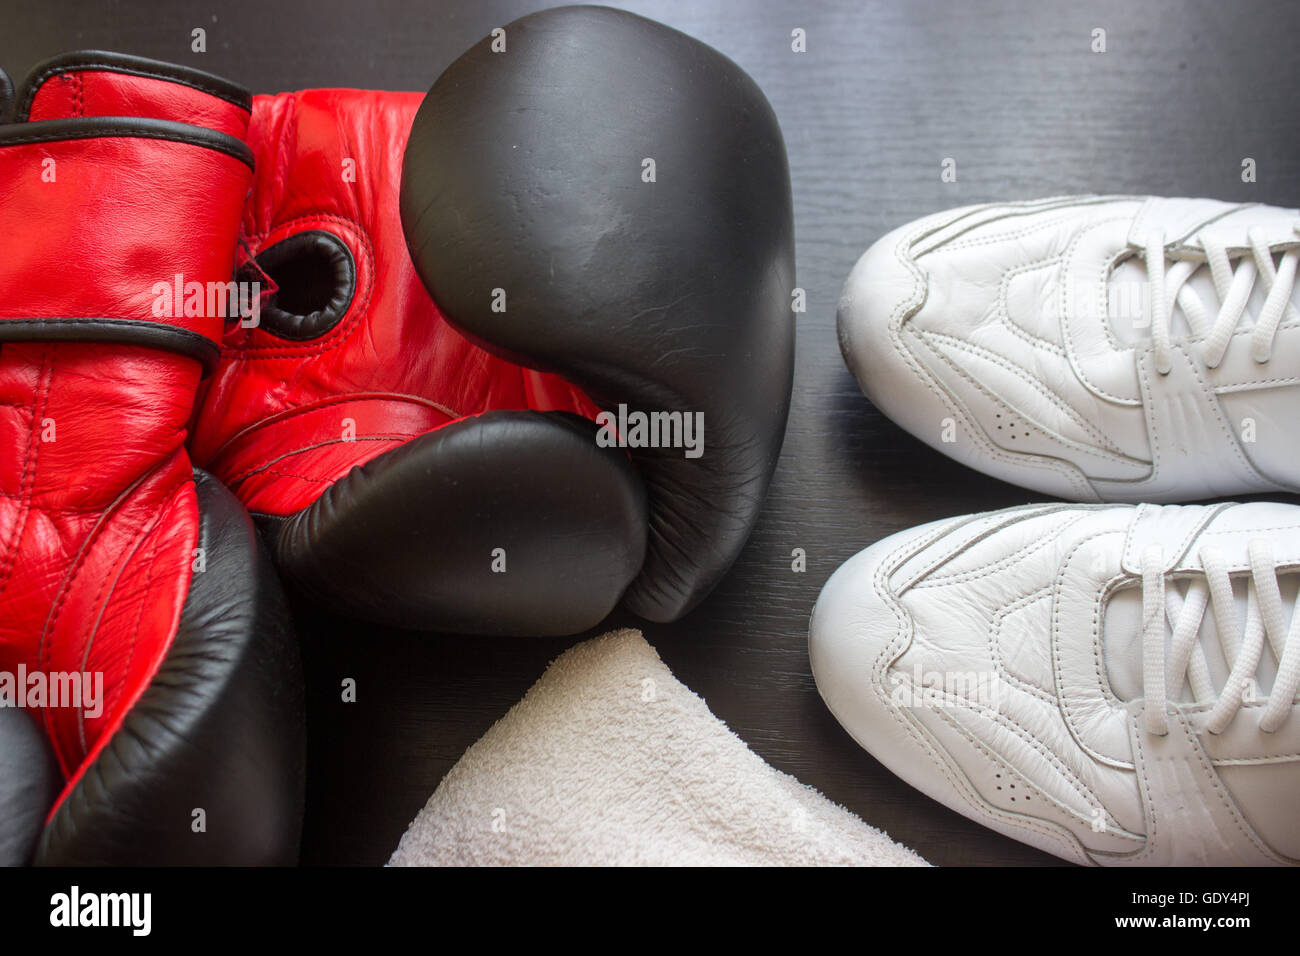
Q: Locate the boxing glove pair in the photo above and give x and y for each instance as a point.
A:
(525, 344)
(150, 690)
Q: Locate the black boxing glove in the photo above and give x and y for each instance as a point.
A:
(662, 286)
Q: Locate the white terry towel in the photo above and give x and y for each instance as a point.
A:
(610, 760)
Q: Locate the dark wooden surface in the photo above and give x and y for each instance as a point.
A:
(886, 91)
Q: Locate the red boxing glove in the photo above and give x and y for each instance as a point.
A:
(441, 466)
(402, 473)
(142, 637)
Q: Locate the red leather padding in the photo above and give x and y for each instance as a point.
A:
(81, 246)
(97, 521)
(274, 413)
(86, 91)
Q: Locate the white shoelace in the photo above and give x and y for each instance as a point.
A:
(1167, 286)
(1242, 647)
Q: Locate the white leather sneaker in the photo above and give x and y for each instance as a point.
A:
(1093, 348)
(1112, 684)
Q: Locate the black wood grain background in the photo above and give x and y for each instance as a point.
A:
(885, 92)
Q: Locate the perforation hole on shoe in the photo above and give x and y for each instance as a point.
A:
(1010, 427)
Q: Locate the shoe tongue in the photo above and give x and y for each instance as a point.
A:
(1122, 645)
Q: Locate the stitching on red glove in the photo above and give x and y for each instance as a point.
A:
(29, 474)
